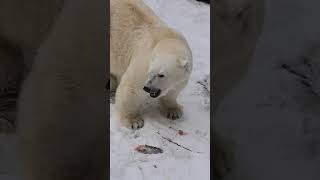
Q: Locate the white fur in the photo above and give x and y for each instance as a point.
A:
(142, 46)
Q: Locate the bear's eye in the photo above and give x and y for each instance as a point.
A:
(160, 75)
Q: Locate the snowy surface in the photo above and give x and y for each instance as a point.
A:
(192, 19)
(272, 117)
(175, 163)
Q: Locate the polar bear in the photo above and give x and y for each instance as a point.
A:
(149, 61)
(61, 119)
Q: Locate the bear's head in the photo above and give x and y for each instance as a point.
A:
(170, 65)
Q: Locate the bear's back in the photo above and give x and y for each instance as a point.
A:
(131, 23)
(135, 29)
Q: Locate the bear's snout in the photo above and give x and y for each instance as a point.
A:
(154, 92)
(146, 89)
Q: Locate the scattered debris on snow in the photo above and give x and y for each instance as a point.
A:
(179, 131)
(146, 149)
(192, 19)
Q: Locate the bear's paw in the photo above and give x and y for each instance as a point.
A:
(172, 113)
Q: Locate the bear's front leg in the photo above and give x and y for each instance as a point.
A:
(169, 107)
(128, 105)
(134, 122)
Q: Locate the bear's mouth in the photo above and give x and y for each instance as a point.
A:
(153, 92)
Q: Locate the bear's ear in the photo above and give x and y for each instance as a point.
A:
(183, 63)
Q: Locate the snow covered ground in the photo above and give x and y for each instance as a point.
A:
(175, 163)
(273, 118)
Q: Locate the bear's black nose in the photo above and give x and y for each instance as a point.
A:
(146, 89)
